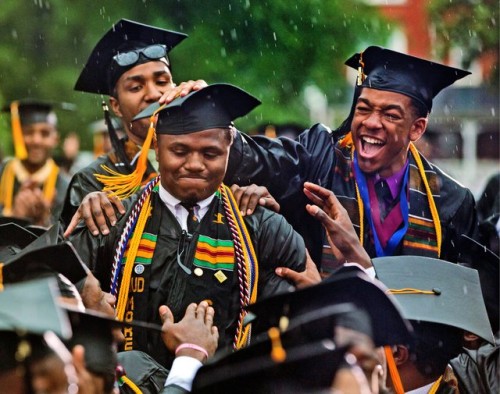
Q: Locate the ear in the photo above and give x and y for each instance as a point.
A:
(417, 129)
(115, 106)
(401, 354)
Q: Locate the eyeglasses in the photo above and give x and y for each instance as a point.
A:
(152, 52)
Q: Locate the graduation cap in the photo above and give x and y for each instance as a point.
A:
(436, 291)
(215, 106)
(309, 368)
(44, 257)
(385, 325)
(384, 69)
(13, 238)
(29, 111)
(94, 331)
(31, 307)
(124, 46)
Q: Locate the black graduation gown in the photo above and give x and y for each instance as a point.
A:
(275, 242)
(62, 184)
(283, 165)
(83, 181)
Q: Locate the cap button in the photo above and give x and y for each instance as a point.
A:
(436, 291)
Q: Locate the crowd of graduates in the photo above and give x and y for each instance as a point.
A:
(339, 260)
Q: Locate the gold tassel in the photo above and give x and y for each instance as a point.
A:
(124, 185)
(17, 132)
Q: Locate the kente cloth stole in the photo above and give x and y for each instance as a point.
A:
(14, 171)
(137, 243)
(421, 236)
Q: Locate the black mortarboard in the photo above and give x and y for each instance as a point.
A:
(100, 73)
(436, 291)
(13, 238)
(421, 79)
(308, 368)
(31, 307)
(94, 331)
(385, 324)
(215, 106)
(42, 257)
(29, 111)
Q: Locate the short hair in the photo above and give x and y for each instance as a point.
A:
(435, 345)
(418, 108)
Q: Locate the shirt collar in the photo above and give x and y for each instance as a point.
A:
(394, 181)
(172, 201)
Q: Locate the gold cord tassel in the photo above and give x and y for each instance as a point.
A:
(17, 132)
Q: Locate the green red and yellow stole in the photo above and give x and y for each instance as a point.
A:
(135, 245)
(14, 170)
(424, 235)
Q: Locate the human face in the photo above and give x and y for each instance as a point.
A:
(136, 89)
(40, 140)
(192, 166)
(382, 127)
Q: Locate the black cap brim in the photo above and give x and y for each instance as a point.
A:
(94, 76)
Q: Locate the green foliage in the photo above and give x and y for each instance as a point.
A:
(272, 48)
(470, 25)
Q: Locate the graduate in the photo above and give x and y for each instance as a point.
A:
(184, 240)
(32, 187)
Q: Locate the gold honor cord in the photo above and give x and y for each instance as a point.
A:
(347, 141)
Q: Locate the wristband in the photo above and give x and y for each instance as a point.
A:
(191, 346)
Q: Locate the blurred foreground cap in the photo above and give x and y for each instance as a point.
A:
(308, 368)
(94, 331)
(436, 291)
(385, 324)
(32, 307)
(421, 79)
(44, 256)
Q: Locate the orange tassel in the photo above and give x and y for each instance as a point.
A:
(17, 132)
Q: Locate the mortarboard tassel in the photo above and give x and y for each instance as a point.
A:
(122, 185)
(115, 141)
(17, 132)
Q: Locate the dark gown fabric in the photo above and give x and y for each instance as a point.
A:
(283, 165)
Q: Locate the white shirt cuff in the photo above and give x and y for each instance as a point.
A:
(183, 372)
(369, 271)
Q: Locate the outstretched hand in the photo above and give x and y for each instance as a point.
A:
(310, 276)
(97, 210)
(248, 197)
(340, 232)
(181, 90)
(196, 327)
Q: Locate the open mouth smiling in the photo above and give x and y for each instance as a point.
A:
(370, 145)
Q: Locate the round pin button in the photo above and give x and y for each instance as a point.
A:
(198, 271)
(139, 269)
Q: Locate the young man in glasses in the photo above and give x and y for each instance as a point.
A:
(130, 64)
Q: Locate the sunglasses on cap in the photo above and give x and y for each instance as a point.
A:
(152, 52)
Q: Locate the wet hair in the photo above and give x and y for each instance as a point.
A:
(435, 345)
(418, 108)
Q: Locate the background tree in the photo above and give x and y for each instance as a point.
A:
(472, 26)
(271, 48)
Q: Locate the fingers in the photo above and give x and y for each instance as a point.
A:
(248, 197)
(289, 274)
(166, 315)
(181, 90)
(72, 225)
